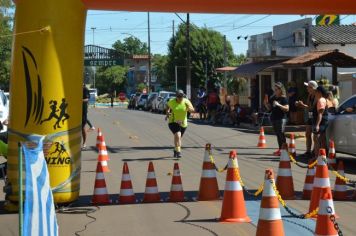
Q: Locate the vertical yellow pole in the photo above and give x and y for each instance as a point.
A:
(46, 89)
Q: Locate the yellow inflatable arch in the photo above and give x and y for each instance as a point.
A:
(47, 69)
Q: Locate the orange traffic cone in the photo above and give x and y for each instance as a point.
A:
(324, 226)
(100, 195)
(127, 194)
(177, 193)
(262, 139)
(151, 191)
(340, 188)
(308, 183)
(284, 180)
(270, 220)
(292, 150)
(209, 189)
(233, 206)
(99, 138)
(103, 152)
(332, 155)
(321, 180)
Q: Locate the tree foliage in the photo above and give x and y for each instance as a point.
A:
(159, 67)
(110, 79)
(5, 42)
(207, 54)
(131, 46)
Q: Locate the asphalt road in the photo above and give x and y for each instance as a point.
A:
(139, 137)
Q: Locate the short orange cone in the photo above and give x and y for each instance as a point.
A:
(270, 220)
(332, 155)
(177, 193)
(127, 195)
(151, 190)
(99, 138)
(308, 183)
(284, 180)
(324, 226)
(292, 150)
(321, 180)
(340, 188)
(233, 206)
(262, 139)
(209, 189)
(100, 195)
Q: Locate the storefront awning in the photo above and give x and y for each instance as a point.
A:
(251, 69)
(333, 57)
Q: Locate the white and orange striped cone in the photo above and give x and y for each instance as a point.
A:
(233, 206)
(177, 193)
(208, 189)
(332, 155)
(340, 188)
(292, 150)
(321, 180)
(284, 180)
(127, 195)
(103, 152)
(100, 195)
(309, 181)
(151, 190)
(99, 138)
(262, 140)
(102, 158)
(270, 220)
(324, 226)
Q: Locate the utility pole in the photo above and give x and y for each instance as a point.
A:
(188, 59)
(149, 53)
(93, 29)
(173, 29)
(94, 68)
(225, 62)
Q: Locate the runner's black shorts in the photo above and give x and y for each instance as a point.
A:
(175, 127)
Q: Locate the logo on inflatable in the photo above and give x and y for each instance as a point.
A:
(57, 155)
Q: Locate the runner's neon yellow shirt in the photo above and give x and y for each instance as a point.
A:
(179, 111)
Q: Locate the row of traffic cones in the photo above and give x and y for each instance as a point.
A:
(292, 147)
(127, 195)
(270, 221)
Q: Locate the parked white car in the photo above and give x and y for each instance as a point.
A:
(342, 127)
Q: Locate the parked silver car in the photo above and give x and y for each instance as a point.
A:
(342, 127)
(162, 105)
(161, 96)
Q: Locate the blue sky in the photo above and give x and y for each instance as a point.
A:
(111, 26)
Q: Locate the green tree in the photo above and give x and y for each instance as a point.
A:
(110, 79)
(207, 54)
(5, 42)
(159, 68)
(131, 46)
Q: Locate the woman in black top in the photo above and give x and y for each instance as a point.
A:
(278, 105)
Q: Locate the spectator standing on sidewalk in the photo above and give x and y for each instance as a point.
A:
(311, 88)
(201, 107)
(278, 105)
(212, 103)
(320, 119)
